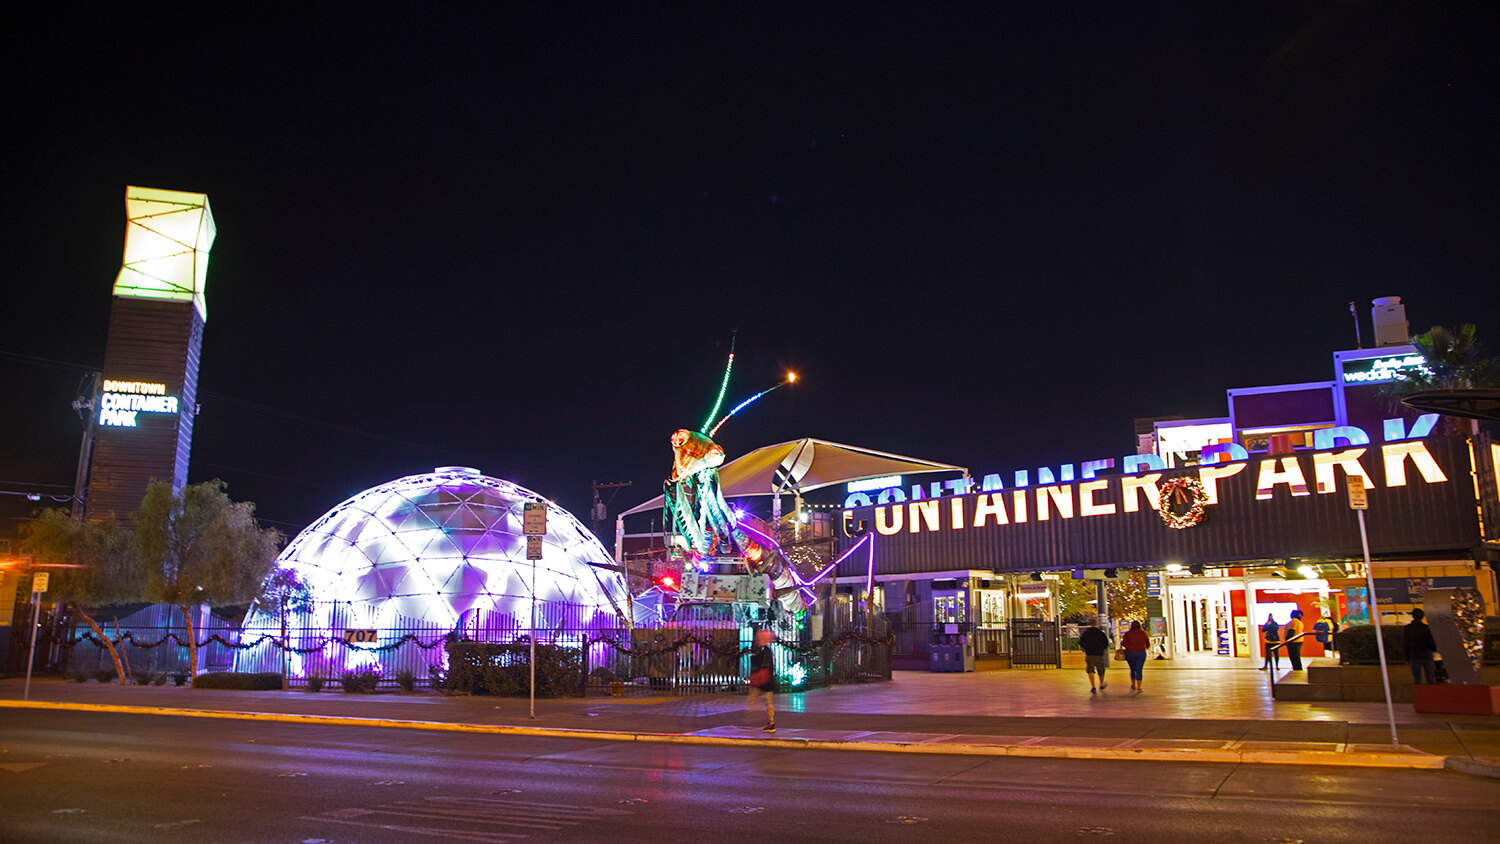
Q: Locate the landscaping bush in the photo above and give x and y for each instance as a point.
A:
(495, 669)
(179, 677)
(159, 679)
(406, 679)
(80, 677)
(360, 681)
(437, 678)
(104, 675)
(266, 682)
(1357, 645)
(315, 683)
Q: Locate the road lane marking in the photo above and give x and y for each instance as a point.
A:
(473, 816)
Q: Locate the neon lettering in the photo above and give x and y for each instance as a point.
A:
(1131, 489)
(1211, 477)
(1086, 505)
(929, 513)
(990, 505)
(1395, 463)
(896, 515)
(1324, 464)
(1060, 497)
(1290, 474)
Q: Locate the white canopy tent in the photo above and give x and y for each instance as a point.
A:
(798, 466)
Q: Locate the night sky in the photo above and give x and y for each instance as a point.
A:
(520, 237)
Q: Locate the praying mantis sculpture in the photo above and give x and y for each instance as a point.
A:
(705, 525)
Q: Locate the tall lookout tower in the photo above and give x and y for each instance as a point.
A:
(143, 408)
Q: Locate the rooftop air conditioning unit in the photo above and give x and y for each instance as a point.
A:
(1389, 316)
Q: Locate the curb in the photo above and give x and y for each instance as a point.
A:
(1488, 767)
(1414, 759)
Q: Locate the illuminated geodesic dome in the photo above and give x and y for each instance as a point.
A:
(430, 553)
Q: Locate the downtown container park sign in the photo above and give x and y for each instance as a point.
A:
(1421, 490)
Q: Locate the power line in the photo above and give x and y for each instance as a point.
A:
(271, 412)
(47, 362)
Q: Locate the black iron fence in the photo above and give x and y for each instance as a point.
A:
(1035, 643)
(670, 659)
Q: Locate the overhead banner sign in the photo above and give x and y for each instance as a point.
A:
(1292, 505)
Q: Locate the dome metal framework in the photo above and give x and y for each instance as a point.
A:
(429, 551)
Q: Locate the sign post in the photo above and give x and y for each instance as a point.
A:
(534, 525)
(38, 586)
(1359, 503)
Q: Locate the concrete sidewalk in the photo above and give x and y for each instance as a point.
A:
(1208, 711)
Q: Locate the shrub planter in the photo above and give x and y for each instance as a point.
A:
(240, 682)
(1449, 699)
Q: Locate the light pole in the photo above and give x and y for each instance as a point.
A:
(1359, 503)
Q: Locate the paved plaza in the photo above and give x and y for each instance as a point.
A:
(1204, 706)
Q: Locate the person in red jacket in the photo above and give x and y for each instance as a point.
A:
(1135, 643)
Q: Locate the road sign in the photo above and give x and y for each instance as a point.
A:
(533, 547)
(535, 521)
(1357, 499)
(39, 581)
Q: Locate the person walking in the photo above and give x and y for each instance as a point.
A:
(1270, 633)
(762, 680)
(1294, 632)
(1095, 646)
(1136, 643)
(1417, 639)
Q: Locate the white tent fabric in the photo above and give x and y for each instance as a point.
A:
(805, 465)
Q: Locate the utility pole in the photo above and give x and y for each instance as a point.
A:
(87, 407)
(599, 510)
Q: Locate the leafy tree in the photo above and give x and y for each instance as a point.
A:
(90, 562)
(196, 546)
(1126, 596)
(284, 591)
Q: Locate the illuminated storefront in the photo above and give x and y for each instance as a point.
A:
(1276, 532)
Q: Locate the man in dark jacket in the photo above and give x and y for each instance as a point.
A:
(1095, 646)
(1417, 637)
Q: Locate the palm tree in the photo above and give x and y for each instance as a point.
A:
(1455, 374)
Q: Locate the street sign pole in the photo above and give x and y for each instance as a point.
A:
(534, 525)
(38, 586)
(1359, 503)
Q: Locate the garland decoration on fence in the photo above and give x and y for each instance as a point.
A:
(1193, 489)
(836, 643)
(242, 646)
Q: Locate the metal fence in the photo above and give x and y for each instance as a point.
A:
(1035, 643)
(915, 631)
(673, 658)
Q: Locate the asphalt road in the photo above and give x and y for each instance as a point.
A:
(67, 776)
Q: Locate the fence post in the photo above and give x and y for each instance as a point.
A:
(583, 660)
